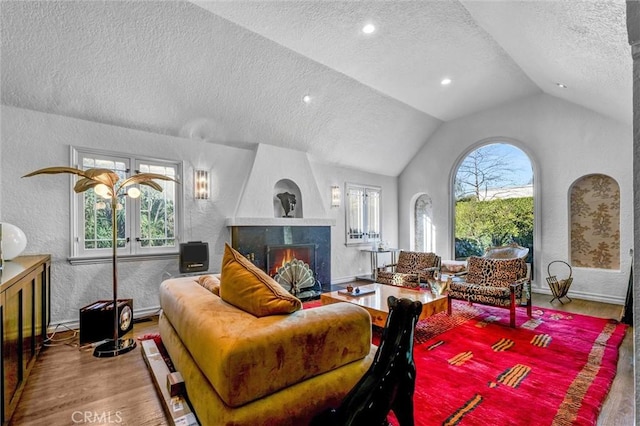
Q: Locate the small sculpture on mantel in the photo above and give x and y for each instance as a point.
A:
(288, 202)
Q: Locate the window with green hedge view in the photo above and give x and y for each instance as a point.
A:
(493, 189)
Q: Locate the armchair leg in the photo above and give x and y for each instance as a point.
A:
(448, 305)
(512, 314)
(512, 309)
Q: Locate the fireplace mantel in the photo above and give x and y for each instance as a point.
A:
(278, 221)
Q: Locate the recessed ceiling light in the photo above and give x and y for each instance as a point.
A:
(306, 99)
(368, 29)
(446, 81)
(562, 86)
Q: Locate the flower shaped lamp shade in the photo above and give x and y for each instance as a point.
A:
(13, 241)
(108, 185)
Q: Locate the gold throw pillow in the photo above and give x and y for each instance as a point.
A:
(247, 287)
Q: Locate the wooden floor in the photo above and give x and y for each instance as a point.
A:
(68, 383)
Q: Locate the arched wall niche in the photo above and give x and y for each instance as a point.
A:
(595, 222)
(424, 232)
(410, 212)
(280, 199)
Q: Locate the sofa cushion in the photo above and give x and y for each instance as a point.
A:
(453, 266)
(495, 272)
(398, 278)
(291, 406)
(247, 287)
(210, 282)
(487, 295)
(412, 261)
(245, 357)
(507, 252)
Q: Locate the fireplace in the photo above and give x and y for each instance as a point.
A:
(294, 267)
(279, 256)
(272, 247)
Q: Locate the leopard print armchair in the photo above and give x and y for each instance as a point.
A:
(412, 269)
(501, 281)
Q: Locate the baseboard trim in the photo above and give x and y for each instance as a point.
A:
(594, 297)
(343, 280)
(352, 279)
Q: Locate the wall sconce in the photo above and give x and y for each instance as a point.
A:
(201, 184)
(335, 196)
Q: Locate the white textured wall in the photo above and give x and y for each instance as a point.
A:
(1, 167)
(349, 261)
(271, 165)
(40, 205)
(565, 142)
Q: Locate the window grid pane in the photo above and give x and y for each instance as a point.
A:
(97, 210)
(356, 217)
(373, 214)
(363, 214)
(157, 218)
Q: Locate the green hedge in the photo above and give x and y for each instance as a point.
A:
(482, 224)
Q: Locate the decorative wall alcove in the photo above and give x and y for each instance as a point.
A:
(425, 235)
(595, 222)
(287, 196)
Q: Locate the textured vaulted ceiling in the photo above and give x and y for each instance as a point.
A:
(235, 72)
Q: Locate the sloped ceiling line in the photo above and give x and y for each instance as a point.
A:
(235, 72)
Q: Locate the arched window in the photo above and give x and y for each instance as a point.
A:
(493, 189)
(425, 235)
(595, 222)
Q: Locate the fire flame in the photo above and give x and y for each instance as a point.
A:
(285, 256)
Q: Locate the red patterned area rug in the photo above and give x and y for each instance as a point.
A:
(554, 369)
(473, 369)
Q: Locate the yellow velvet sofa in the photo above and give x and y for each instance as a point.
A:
(240, 369)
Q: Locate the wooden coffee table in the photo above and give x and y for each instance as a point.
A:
(376, 303)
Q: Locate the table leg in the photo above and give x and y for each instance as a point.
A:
(374, 265)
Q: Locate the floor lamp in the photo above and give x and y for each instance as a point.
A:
(107, 184)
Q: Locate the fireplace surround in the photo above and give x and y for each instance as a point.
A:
(264, 245)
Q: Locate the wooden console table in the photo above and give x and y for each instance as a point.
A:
(25, 308)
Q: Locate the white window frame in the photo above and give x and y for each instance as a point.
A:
(358, 208)
(132, 249)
